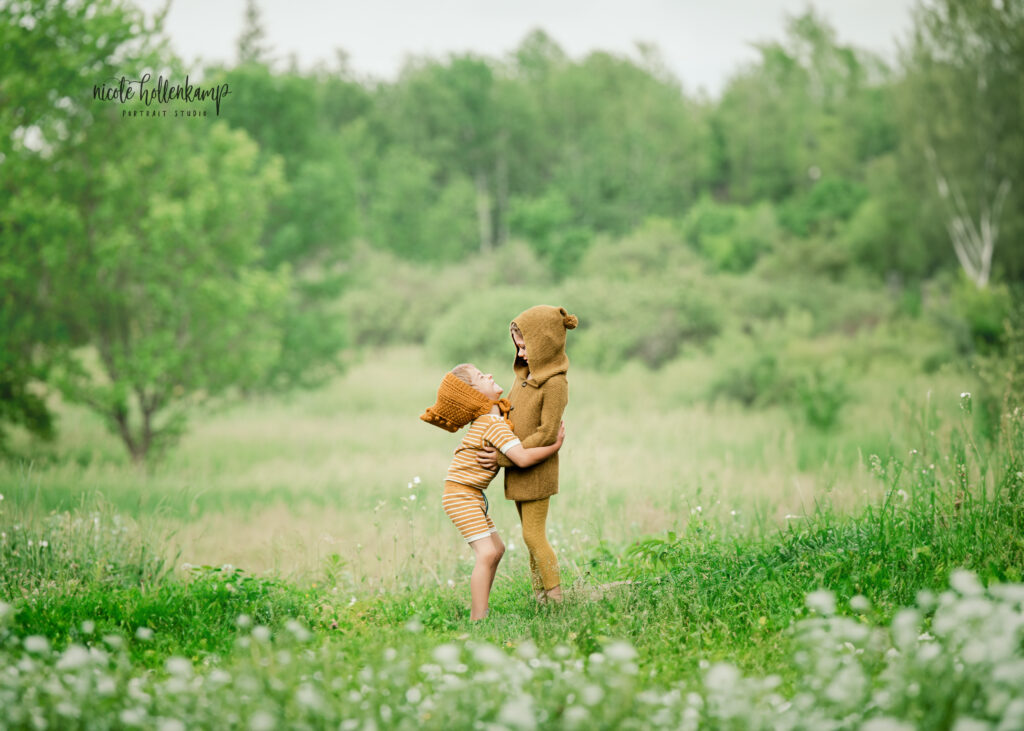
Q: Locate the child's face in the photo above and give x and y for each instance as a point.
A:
(517, 338)
(484, 383)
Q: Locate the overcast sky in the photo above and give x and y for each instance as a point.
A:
(702, 41)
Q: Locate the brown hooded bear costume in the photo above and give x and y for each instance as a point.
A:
(538, 398)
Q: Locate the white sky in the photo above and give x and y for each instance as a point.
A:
(702, 41)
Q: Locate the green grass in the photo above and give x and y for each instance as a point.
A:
(706, 509)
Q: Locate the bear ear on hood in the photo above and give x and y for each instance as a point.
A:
(570, 321)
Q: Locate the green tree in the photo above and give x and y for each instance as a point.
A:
(52, 56)
(447, 115)
(962, 105)
(810, 109)
(159, 270)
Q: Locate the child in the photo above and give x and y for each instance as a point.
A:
(539, 397)
(466, 395)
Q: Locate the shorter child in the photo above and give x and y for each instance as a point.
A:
(468, 396)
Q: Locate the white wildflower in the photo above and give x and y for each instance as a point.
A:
(885, 723)
(170, 724)
(487, 654)
(179, 667)
(144, 633)
(414, 695)
(416, 480)
(37, 644)
(721, 677)
(261, 633)
(414, 625)
(307, 696)
(88, 627)
(860, 604)
(133, 716)
(620, 652)
(73, 658)
(527, 650)
(518, 713)
(446, 654)
(244, 621)
(965, 583)
(262, 721)
(822, 601)
(299, 632)
(591, 694)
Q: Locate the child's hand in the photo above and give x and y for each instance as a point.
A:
(561, 434)
(488, 458)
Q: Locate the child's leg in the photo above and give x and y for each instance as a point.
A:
(535, 580)
(488, 552)
(534, 514)
(467, 507)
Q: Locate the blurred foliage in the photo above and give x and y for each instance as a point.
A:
(322, 211)
(475, 328)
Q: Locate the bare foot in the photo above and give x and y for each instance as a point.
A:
(554, 594)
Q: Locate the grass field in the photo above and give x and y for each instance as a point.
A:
(289, 564)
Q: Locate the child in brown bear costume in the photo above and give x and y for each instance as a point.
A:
(538, 398)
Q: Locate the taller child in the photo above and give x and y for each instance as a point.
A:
(538, 397)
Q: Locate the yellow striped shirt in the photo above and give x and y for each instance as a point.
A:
(487, 430)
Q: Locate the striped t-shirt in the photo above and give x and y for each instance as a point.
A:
(487, 430)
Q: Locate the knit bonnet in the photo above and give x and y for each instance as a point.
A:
(458, 403)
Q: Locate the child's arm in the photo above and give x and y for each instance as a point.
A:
(556, 396)
(528, 456)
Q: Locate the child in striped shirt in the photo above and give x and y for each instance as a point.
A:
(468, 396)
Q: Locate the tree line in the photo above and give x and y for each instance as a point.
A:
(151, 265)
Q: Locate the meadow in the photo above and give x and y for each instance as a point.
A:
(289, 565)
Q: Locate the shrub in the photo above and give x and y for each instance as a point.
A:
(392, 301)
(655, 250)
(475, 328)
(651, 322)
(731, 237)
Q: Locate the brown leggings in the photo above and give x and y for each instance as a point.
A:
(543, 563)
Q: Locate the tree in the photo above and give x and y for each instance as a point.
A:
(810, 109)
(252, 46)
(963, 105)
(53, 54)
(159, 270)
